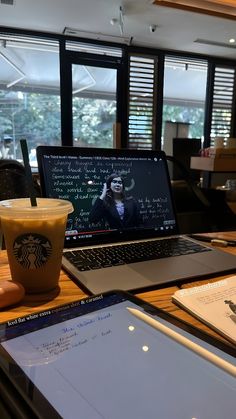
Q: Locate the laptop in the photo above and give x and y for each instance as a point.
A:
(123, 233)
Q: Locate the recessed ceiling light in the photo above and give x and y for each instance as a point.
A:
(231, 40)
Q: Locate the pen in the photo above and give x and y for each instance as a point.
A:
(182, 340)
(213, 240)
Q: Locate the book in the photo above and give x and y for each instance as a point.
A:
(213, 303)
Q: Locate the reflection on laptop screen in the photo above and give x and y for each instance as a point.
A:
(113, 192)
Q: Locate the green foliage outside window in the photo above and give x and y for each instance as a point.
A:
(187, 114)
(37, 118)
(93, 120)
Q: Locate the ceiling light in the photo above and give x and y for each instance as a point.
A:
(231, 40)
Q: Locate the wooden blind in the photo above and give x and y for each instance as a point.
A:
(224, 80)
(141, 101)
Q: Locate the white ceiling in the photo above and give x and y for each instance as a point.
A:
(176, 29)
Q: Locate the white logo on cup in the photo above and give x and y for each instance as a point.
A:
(32, 250)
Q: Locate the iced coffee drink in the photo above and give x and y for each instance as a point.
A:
(34, 238)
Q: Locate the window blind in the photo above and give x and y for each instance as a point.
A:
(141, 89)
(222, 105)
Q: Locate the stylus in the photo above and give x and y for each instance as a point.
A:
(204, 353)
(213, 240)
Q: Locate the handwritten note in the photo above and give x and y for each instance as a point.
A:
(72, 336)
(214, 303)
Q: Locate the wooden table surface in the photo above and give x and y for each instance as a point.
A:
(68, 291)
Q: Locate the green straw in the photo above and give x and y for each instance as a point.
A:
(28, 173)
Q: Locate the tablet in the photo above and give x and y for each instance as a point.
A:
(95, 359)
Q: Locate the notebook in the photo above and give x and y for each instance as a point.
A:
(123, 233)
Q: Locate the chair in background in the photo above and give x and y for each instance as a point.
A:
(199, 210)
(12, 180)
(183, 150)
(13, 183)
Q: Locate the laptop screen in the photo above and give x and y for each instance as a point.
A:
(116, 194)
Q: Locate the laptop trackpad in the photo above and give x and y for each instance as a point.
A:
(171, 269)
(144, 274)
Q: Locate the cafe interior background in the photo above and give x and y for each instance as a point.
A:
(130, 74)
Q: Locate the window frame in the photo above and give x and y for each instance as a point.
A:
(122, 83)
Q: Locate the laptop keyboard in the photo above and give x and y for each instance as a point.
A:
(104, 257)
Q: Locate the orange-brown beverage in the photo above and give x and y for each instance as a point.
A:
(34, 238)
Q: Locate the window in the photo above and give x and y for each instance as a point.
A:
(29, 94)
(95, 70)
(93, 105)
(99, 94)
(184, 99)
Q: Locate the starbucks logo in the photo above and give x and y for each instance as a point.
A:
(32, 250)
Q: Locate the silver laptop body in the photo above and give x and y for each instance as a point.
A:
(80, 175)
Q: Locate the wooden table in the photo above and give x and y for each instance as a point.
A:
(68, 291)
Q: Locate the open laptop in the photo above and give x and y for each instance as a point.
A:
(81, 176)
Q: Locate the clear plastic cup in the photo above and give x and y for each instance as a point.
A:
(34, 238)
